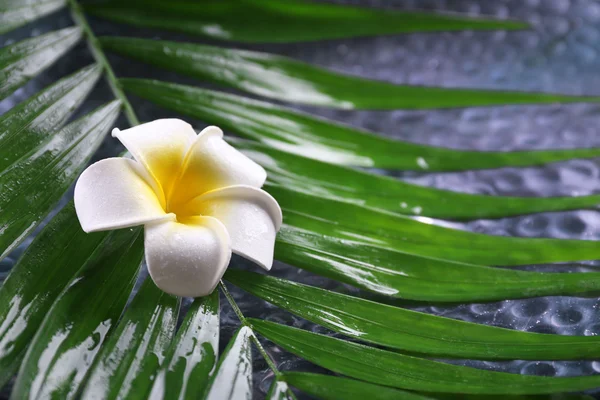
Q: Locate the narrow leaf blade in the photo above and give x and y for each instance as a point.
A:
(128, 362)
(193, 354)
(406, 372)
(311, 216)
(324, 140)
(419, 277)
(293, 20)
(31, 187)
(14, 13)
(282, 78)
(44, 270)
(327, 387)
(29, 124)
(22, 61)
(233, 377)
(408, 330)
(79, 321)
(390, 194)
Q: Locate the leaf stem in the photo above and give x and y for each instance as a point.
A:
(243, 320)
(100, 57)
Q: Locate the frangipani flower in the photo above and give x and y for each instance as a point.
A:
(198, 198)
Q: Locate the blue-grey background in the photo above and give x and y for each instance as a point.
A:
(559, 54)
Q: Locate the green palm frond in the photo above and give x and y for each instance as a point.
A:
(228, 19)
(398, 370)
(185, 371)
(127, 362)
(281, 78)
(294, 132)
(66, 328)
(14, 13)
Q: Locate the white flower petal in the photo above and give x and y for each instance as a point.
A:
(252, 218)
(113, 193)
(160, 146)
(187, 259)
(212, 163)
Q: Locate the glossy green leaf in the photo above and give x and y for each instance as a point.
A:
(127, 364)
(354, 225)
(193, 354)
(233, 377)
(405, 372)
(79, 321)
(293, 20)
(14, 13)
(387, 193)
(412, 331)
(328, 387)
(279, 390)
(397, 274)
(22, 61)
(285, 79)
(44, 270)
(30, 123)
(302, 134)
(31, 187)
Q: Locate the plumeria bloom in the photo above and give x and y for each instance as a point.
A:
(198, 198)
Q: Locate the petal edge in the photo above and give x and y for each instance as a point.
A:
(252, 218)
(188, 259)
(212, 163)
(112, 194)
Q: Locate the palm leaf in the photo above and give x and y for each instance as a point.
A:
(406, 372)
(416, 332)
(14, 13)
(229, 19)
(80, 319)
(35, 283)
(22, 60)
(127, 363)
(387, 193)
(284, 79)
(418, 276)
(328, 387)
(302, 134)
(30, 123)
(315, 220)
(193, 354)
(63, 299)
(233, 376)
(57, 163)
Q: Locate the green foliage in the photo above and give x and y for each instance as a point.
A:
(27, 197)
(232, 379)
(193, 354)
(14, 13)
(126, 365)
(23, 60)
(407, 372)
(293, 20)
(64, 320)
(35, 282)
(411, 331)
(282, 78)
(80, 320)
(309, 136)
